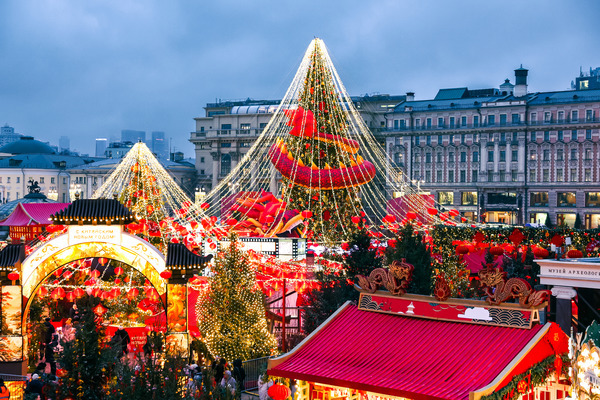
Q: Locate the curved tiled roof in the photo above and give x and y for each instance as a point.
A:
(102, 211)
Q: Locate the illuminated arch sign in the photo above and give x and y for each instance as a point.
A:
(87, 241)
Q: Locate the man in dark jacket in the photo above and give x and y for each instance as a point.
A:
(34, 386)
(122, 339)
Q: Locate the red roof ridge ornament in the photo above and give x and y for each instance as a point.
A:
(499, 289)
(395, 280)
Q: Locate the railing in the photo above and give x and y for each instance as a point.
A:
(15, 385)
(254, 369)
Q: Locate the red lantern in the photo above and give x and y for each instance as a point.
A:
(453, 213)
(496, 251)
(390, 218)
(166, 274)
(79, 292)
(43, 292)
(269, 219)
(279, 392)
(13, 276)
(132, 293)
(356, 219)
(95, 273)
(307, 214)
(71, 296)
(204, 206)
(411, 215)
(100, 310)
(462, 249)
(118, 271)
(573, 253)
(102, 261)
(432, 211)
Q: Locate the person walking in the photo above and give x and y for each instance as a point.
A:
(34, 387)
(219, 370)
(49, 354)
(228, 382)
(239, 374)
(4, 392)
(121, 338)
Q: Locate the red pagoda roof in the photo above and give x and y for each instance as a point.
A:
(33, 214)
(415, 358)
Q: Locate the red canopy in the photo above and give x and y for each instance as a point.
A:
(33, 214)
(411, 357)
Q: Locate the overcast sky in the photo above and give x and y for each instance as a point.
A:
(90, 68)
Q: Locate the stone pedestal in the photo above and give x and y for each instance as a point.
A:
(563, 295)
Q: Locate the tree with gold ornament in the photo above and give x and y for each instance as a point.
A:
(319, 162)
(231, 313)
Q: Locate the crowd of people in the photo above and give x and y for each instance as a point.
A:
(228, 377)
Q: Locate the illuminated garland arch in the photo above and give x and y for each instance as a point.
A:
(71, 246)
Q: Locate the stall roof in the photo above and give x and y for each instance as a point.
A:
(411, 357)
(33, 214)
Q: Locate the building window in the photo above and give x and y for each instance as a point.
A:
(225, 163)
(561, 116)
(502, 137)
(503, 119)
(547, 117)
(514, 155)
(427, 176)
(588, 134)
(468, 198)
(560, 155)
(18, 181)
(438, 176)
(574, 116)
(451, 139)
(418, 123)
(439, 158)
(463, 176)
(532, 175)
(589, 115)
(463, 156)
(516, 119)
(42, 179)
(202, 159)
(463, 121)
(574, 134)
(475, 121)
(546, 155)
(451, 157)
(592, 199)
(262, 125)
(402, 124)
(450, 176)
(533, 117)
(417, 140)
(502, 156)
(462, 138)
(573, 154)
(546, 175)
(64, 181)
(532, 155)
(565, 199)
(446, 198)
(475, 156)
(546, 136)
(538, 199)
(428, 140)
(440, 122)
(224, 145)
(201, 172)
(427, 158)
(491, 156)
(559, 175)
(514, 175)
(428, 123)
(474, 175)
(502, 176)
(561, 136)
(451, 122)
(440, 139)
(491, 120)
(533, 136)
(52, 180)
(587, 175)
(588, 154)
(245, 127)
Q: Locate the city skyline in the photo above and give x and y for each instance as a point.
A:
(99, 68)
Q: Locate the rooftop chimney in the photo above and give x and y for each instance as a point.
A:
(520, 89)
(410, 96)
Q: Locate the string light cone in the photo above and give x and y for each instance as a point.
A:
(316, 170)
(146, 188)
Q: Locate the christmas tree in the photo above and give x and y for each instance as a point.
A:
(319, 162)
(231, 314)
(337, 287)
(410, 246)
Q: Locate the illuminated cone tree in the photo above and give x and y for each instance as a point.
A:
(146, 188)
(231, 314)
(320, 164)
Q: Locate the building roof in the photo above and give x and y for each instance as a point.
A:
(27, 145)
(33, 214)
(411, 357)
(7, 208)
(456, 93)
(178, 256)
(11, 255)
(43, 161)
(103, 211)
